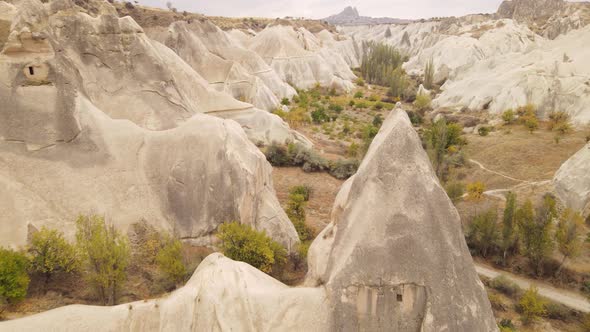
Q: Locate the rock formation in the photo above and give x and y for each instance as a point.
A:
(64, 76)
(572, 182)
(549, 18)
(350, 16)
(224, 64)
(401, 266)
(494, 65)
(298, 58)
(117, 64)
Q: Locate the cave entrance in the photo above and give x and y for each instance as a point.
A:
(31, 71)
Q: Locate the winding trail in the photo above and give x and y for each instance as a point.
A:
(499, 193)
(566, 297)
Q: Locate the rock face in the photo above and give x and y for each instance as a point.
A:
(549, 18)
(350, 16)
(300, 59)
(530, 10)
(117, 64)
(572, 181)
(398, 259)
(64, 76)
(394, 258)
(226, 66)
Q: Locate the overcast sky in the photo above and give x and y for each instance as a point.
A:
(322, 8)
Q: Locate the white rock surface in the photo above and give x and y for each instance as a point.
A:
(300, 60)
(222, 295)
(572, 181)
(61, 155)
(227, 66)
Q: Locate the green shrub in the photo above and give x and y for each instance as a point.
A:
(422, 102)
(353, 150)
(285, 101)
(358, 95)
(360, 82)
(505, 286)
(484, 131)
(169, 260)
(506, 325)
(415, 118)
(508, 116)
(343, 169)
(351, 103)
(378, 106)
(398, 83)
(377, 121)
(14, 280)
(559, 312)
(336, 108)
(319, 116)
(277, 155)
(455, 190)
(304, 191)
(243, 243)
(560, 121)
(483, 232)
(373, 98)
(429, 74)
(105, 255)
(296, 213)
(361, 105)
(532, 306)
(51, 254)
(378, 61)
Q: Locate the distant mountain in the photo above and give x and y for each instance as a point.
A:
(350, 16)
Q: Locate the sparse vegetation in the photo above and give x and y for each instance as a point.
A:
(14, 280)
(296, 213)
(508, 116)
(567, 235)
(105, 255)
(532, 306)
(535, 231)
(243, 243)
(429, 74)
(455, 190)
(422, 102)
(475, 191)
(509, 236)
(483, 232)
(169, 260)
(443, 140)
(51, 254)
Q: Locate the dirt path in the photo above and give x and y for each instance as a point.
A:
(568, 298)
(499, 193)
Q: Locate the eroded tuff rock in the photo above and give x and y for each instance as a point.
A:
(549, 18)
(572, 181)
(61, 155)
(125, 73)
(224, 64)
(398, 259)
(394, 258)
(300, 59)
